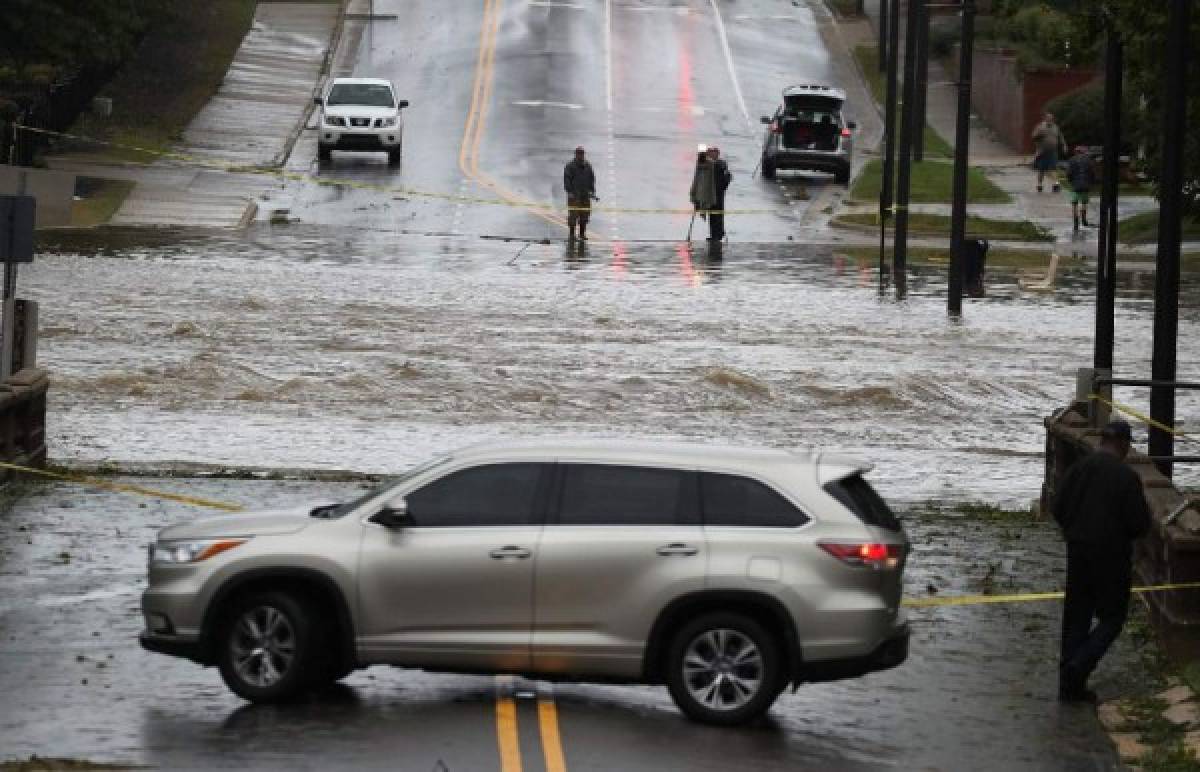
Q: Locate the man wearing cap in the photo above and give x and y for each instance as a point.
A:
(580, 183)
(1101, 509)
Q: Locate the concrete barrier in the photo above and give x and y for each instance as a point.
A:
(1169, 554)
(23, 419)
(53, 190)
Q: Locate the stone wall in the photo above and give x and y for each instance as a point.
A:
(23, 419)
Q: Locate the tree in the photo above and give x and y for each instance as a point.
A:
(66, 34)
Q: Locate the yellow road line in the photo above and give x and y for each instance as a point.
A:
(552, 750)
(506, 726)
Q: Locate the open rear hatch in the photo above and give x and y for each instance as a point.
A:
(811, 122)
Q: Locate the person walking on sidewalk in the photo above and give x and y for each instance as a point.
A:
(580, 183)
(709, 183)
(1081, 176)
(1048, 143)
(1101, 509)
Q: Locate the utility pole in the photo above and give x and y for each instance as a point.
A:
(883, 34)
(907, 128)
(922, 81)
(962, 125)
(1166, 276)
(1106, 252)
(889, 129)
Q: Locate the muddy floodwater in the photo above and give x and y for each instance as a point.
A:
(369, 350)
(979, 684)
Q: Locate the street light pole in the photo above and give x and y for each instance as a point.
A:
(883, 34)
(907, 129)
(962, 125)
(1166, 275)
(922, 81)
(1106, 253)
(889, 129)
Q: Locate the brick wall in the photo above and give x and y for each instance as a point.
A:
(1043, 85)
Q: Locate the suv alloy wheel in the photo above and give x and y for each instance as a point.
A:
(724, 668)
(267, 647)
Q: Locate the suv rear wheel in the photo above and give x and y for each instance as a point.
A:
(268, 647)
(724, 668)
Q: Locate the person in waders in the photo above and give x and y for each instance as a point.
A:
(580, 183)
(709, 183)
(1101, 509)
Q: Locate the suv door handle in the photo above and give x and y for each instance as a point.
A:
(510, 551)
(677, 548)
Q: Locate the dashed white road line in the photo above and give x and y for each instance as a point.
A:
(737, 88)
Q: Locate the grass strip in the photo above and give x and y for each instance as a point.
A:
(922, 224)
(996, 258)
(103, 200)
(174, 73)
(932, 182)
(1143, 228)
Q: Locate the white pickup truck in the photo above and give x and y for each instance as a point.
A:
(360, 114)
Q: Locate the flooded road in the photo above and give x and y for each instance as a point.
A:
(343, 348)
(979, 683)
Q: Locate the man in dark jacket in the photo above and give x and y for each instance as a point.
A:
(1101, 509)
(721, 177)
(1081, 176)
(580, 183)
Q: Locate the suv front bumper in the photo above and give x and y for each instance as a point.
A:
(342, 139)
(888, 654)
(176, 646)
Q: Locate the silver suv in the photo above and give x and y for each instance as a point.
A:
(725, 573)
(808, 132)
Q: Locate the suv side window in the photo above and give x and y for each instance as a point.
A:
(598, 494)
(739, 501)
(495, 494)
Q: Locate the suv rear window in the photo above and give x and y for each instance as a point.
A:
(739, 501)
(857, 495)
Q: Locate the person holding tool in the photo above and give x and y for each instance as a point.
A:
(1101, 509)
(709, 183)
(580, 183)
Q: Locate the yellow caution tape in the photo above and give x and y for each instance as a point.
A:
(1028, 597)
(1141, 417)
(124, 488)
(233, 168)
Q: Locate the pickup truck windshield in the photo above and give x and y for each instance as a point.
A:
(360, 94)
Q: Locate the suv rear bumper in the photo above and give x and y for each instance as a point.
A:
(815, 161)
(892, 652)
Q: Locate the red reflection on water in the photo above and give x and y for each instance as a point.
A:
(687, 268)
(620, 261)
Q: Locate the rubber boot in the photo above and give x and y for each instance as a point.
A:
(1076, 223)
(1086, 224)
(583, 233)
(571, 234)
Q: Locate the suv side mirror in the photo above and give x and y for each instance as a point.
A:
(393, 515)
(402, 103)
(318, 100)
(764, 119)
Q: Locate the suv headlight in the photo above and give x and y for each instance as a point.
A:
(385, 123)
(179, 552)
(334, 120)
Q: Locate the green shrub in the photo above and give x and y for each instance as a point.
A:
(1080, 114)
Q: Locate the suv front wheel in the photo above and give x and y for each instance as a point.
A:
(724, 668)
(268, 647)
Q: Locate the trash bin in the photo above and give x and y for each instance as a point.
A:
(974, 261)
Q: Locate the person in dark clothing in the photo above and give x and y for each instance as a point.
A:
(580, 183)
(1101, 509)
(1081, 176)
(721, 177)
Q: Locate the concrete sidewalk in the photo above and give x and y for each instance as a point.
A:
(254, 120)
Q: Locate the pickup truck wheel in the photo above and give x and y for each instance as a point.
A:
(324, 154)
(842, 176)
(268, 647)
(724, 669)
(768, 169)
(394, 157)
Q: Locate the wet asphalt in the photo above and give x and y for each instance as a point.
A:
(977, 691)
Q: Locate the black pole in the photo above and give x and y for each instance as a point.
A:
(962, 125)
(1166, 276)
(922, 81)
(883, 34)
(889, 119)
(1106, 254)
(907, 128)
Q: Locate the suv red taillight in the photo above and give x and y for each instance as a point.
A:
(870, 554)
(776, 128)
(847, 133)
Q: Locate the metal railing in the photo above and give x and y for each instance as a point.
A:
(1095, 387)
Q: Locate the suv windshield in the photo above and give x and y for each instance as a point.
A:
(363, 94)
(346, 507)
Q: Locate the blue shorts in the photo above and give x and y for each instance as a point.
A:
(1046, 161)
